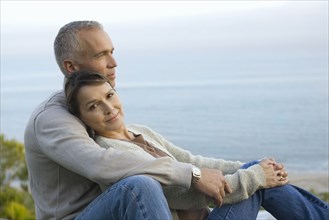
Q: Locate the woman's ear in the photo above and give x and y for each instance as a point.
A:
(70, 66)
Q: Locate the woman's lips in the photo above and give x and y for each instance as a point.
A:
(112, 118)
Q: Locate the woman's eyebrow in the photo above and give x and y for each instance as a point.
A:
(91, 102)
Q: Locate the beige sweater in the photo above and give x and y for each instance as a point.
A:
(244, 182)
(66, 166)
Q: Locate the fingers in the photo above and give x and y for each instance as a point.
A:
(282, 173)
(282, 180)
(222, 192)
(224, 187)
(279, 166)
(219, 200)
(272, 160)
(213, 185)
(219, 197)
(227, 188)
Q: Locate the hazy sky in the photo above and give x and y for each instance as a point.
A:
(239, 29)
(45, 13)
(25, 21)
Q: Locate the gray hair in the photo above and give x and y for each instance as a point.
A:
(66, 44)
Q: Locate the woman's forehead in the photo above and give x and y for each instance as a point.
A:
(94, 91)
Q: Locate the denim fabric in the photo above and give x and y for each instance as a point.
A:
(246, 165)
(284, 202)
(136, 197)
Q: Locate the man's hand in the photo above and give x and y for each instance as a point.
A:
(213, 184)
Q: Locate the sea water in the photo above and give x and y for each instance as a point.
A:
(230, 118)
(239, 119)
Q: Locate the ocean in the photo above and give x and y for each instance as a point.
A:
(234, 118)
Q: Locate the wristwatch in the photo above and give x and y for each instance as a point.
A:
(196, 174)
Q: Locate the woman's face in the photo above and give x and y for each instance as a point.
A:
(100, 108)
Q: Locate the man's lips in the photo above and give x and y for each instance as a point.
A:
(111, 76)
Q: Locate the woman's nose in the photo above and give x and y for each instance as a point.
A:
(108, 109)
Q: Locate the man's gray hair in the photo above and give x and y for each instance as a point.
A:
(67, 45)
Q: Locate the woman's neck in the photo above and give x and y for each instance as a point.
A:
(122, 134)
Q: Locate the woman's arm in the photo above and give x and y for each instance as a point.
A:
(244, 182)
(227, 167)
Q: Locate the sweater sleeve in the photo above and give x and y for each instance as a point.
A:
(244, 182)
(63, 138)
(227, 167)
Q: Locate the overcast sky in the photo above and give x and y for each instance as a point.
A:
(45, 13)
(46, 17)
(242, 28)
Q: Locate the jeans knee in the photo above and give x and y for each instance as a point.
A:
(144, 183)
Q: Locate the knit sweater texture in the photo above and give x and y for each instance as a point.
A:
(244, 182)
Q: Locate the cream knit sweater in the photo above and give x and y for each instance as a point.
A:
(244, 182)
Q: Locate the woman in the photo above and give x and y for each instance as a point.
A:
(91, 97)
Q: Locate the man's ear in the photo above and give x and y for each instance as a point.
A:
(70, 66)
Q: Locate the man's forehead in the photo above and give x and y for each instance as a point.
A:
(95, 42)
(88, 34)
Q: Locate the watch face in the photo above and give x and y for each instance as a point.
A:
(196, 171)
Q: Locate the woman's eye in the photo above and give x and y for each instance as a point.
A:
(93, 107)
(110, 95)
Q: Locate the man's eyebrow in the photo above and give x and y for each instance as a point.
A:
(100, 53)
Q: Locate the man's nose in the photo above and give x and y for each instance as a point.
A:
(111, 62)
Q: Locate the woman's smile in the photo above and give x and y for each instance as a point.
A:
(113, 118)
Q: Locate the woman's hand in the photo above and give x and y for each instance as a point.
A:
(280, 167)
(213, 184)
(275, 173)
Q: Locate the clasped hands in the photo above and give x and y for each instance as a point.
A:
(275, 173)
(214, 184)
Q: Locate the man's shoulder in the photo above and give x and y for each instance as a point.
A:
(53, 115)
(56, 99)
(54, 106)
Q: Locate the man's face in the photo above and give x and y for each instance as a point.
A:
(97, 53)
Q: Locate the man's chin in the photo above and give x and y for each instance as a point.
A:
(112, 81)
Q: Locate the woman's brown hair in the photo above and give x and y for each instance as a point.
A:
(75, 82)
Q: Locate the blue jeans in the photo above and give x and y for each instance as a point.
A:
(284, 202)
(135, 197)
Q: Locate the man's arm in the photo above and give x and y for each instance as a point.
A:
(63, 138)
